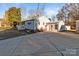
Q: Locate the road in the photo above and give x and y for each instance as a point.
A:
(41, 44)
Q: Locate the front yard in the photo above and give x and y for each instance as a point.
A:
(10, 33)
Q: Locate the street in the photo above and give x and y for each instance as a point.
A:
(41, 44)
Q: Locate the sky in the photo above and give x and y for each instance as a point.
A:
(50, 8)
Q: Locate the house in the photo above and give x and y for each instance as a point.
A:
(77, 26)
(0, 23)
(20, 27)
(4, 23)
(42, 22)
(38, 24)
(31, 24)
(61, 25)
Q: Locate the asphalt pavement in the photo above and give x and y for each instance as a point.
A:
(41, 44)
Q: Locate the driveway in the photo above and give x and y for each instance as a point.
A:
(41, 44)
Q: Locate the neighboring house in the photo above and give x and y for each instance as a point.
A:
(77, 26)
(5, 24)
(57, 26)
(62, 26)
(0, 23)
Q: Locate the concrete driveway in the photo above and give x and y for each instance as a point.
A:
(41, 44)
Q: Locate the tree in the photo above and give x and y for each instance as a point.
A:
(39, 11)
(69, 12)
(53, 18)
(14, 16)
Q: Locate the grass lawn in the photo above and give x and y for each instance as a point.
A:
(4, 28)
(72, 30)
(8, 32)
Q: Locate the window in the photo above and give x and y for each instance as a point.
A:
(56, 26)
(29, 23)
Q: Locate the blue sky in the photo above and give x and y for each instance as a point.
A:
(50, 8)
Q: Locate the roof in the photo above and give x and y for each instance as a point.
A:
(30, 20)
(52, 22)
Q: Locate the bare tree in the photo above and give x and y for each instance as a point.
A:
(69, 12)
(39, 11)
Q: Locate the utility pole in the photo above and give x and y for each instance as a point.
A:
(40, 10)
(43, 8)
(37, 10)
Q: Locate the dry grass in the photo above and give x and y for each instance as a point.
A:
(4, 28)
(72, 30)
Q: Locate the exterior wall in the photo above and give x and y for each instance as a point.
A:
(68, 27)
(48, 28)
(77, 26)
(20, 27)
(51, 28)
(31, 25)
(42, 22)
(0, 23)
(60, 23)
(39, 24)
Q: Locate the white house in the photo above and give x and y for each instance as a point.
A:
(42, 22)
(37, 24)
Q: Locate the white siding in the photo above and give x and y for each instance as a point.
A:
(42, 22)
(60, 23)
